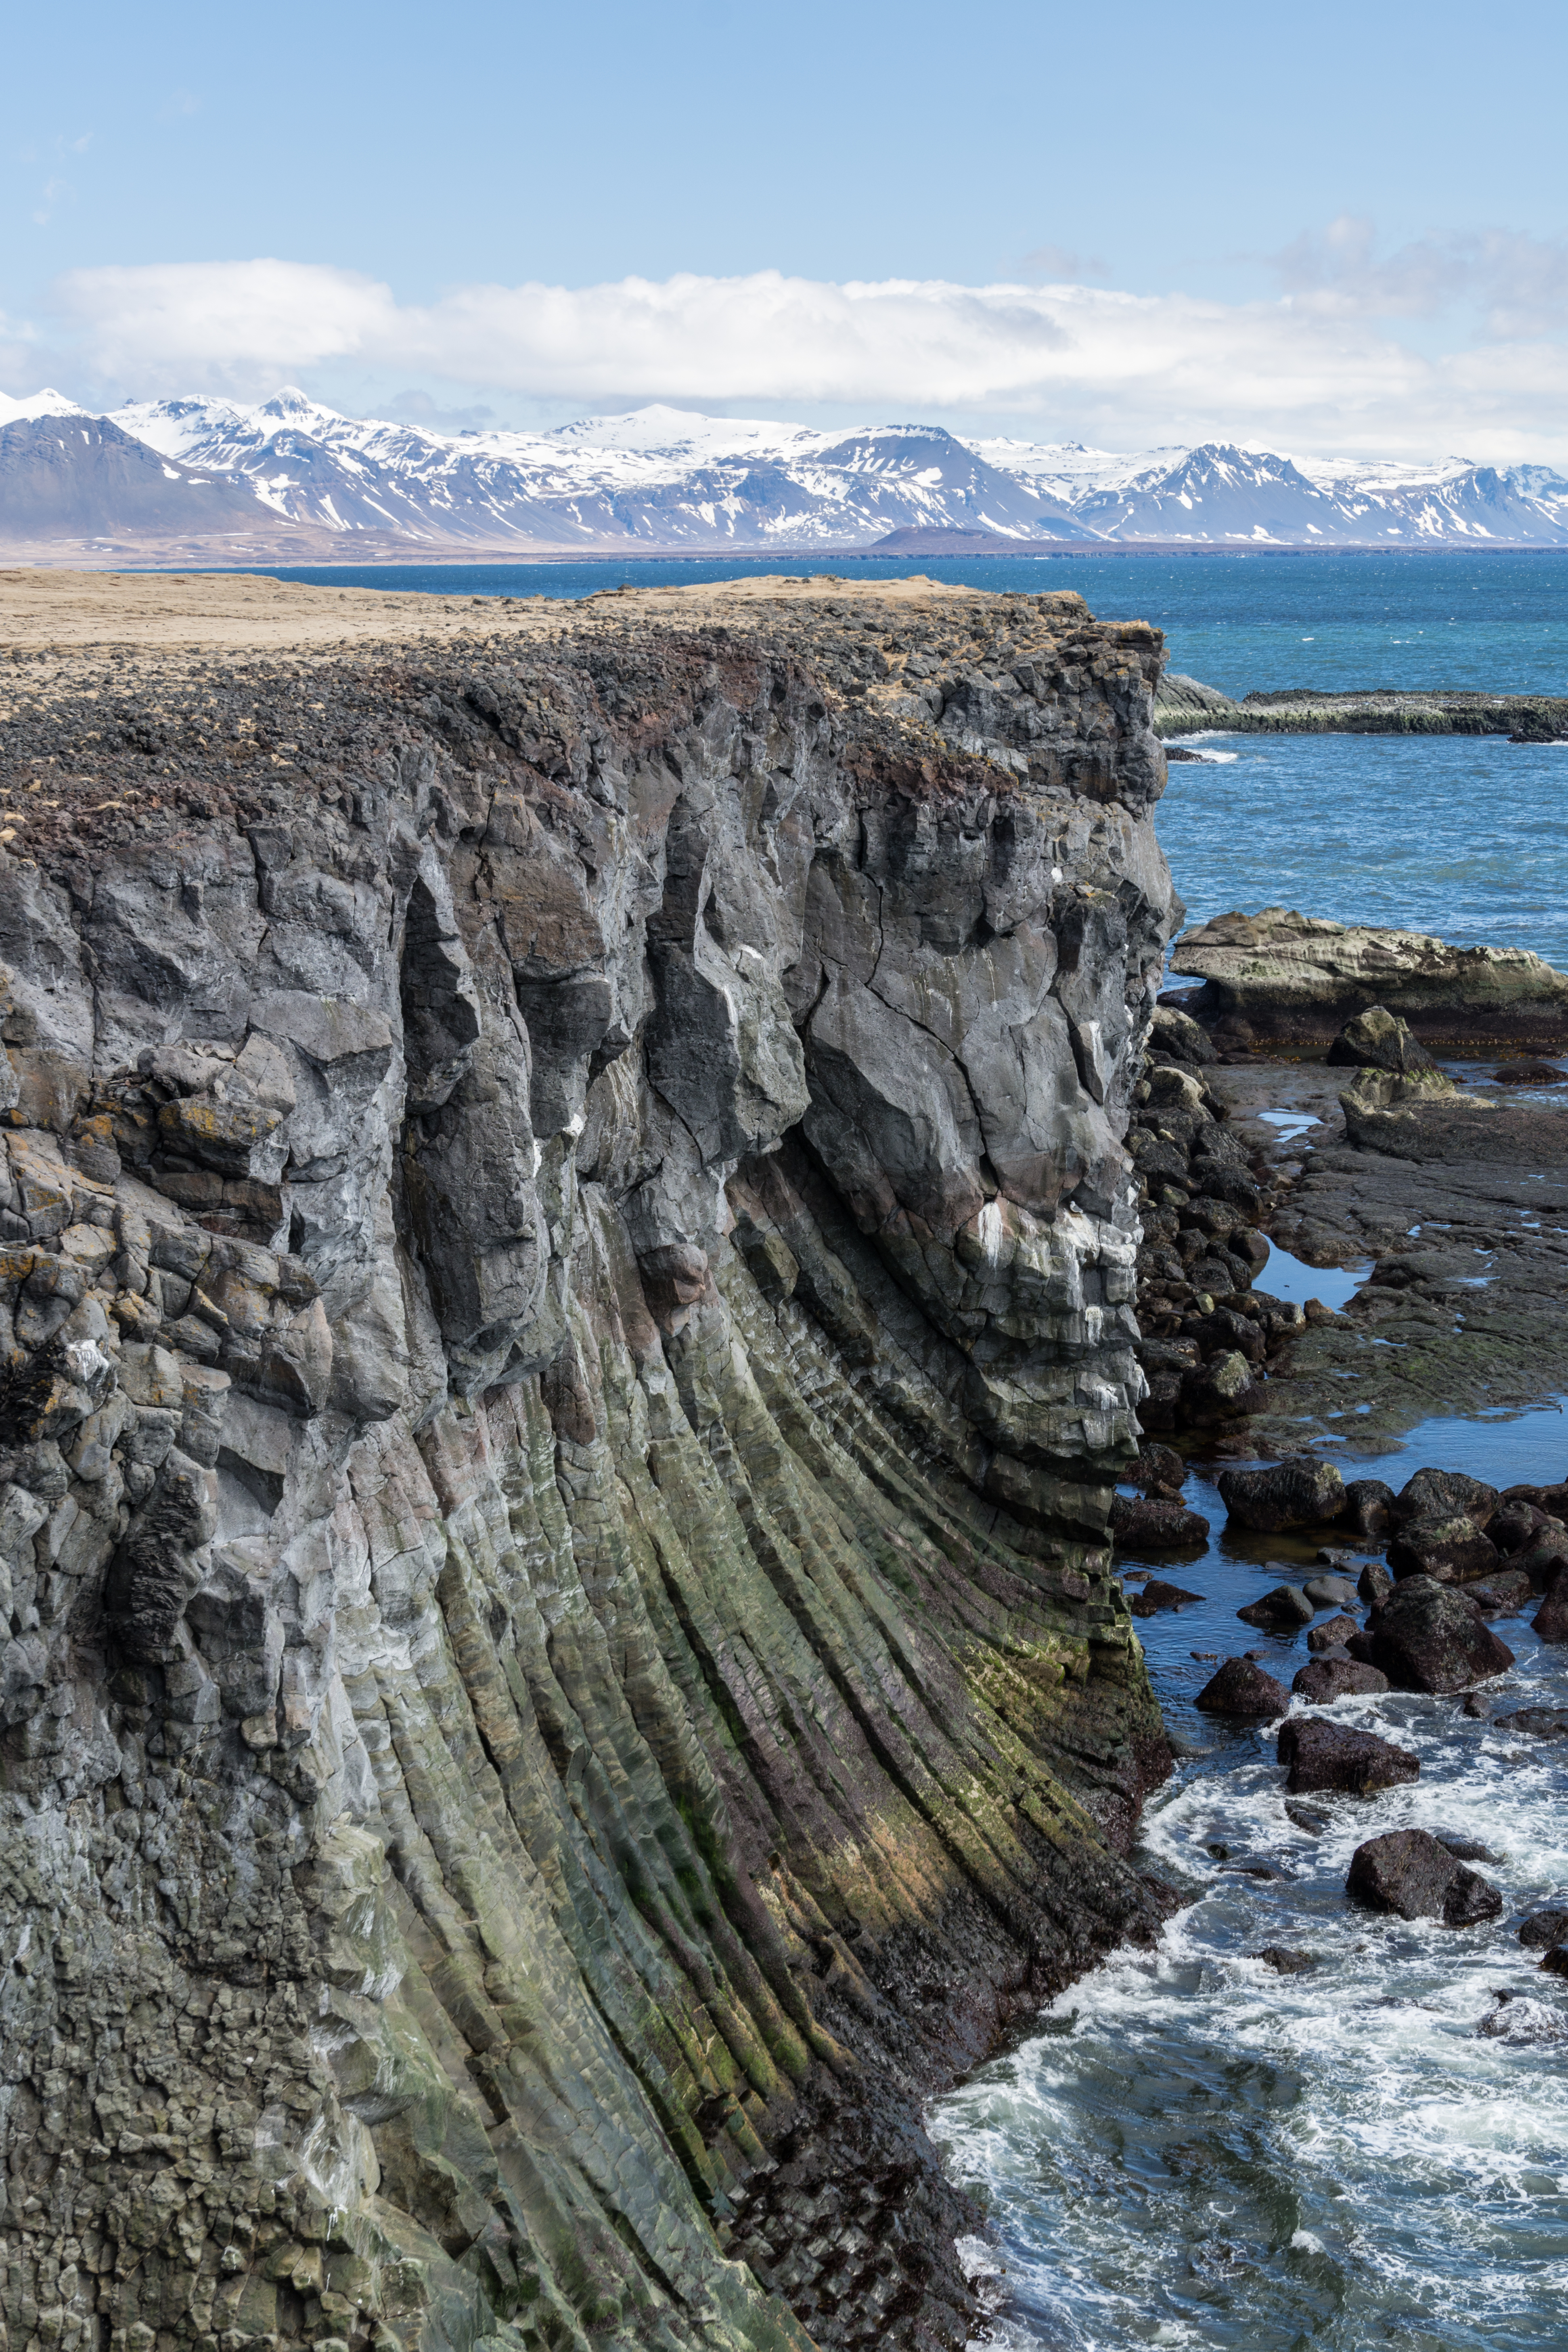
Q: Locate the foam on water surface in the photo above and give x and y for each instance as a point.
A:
(1192, 2149)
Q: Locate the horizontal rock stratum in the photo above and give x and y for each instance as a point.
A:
(1299, 977)
(567, 1269)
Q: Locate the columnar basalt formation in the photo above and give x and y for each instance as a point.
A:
(567, 1262)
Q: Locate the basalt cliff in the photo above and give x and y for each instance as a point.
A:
(566, 1278)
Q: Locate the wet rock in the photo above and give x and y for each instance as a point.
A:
(1539, 1722)
(1300, 1492)
(1466, 1849)
(1453, 1550)
(1519, 1526)
(1242, 1688)
(1332, 1634)
(1527, 1074)
(1476, 1708)
(1280, 1609)
(1284, 1962)
(1222, 1389)
(1542, 1930)
(1427, 1637)
(1153, 1523)
(1335, 1756)
(1329, 1592)
(1368, 1508)
(1159, 1470)
(1550, 1623)
(1157, 1594)
(1503, 1595)
(1555, 1961)
(1436, 1495)
(1412, 1874)
(1378, 1040)
(1374, 1583)
(1323, 1680)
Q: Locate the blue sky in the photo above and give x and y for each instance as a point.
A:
(1343, 225)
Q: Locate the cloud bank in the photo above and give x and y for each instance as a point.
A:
(1316, 369)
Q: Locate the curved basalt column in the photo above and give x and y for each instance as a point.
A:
(567, 1273)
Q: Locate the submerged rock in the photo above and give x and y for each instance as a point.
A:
(1544, 1929)
(1157, 1594)
(1284, 1962)
(1411, 1873)
(1323, 1755)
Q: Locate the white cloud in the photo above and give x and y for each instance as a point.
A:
(1309, 370)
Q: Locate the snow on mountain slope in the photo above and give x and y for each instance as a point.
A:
(37, 403)
(660, 477)
(671, 477)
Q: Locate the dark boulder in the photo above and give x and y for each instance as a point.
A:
(1368, 1508)
(1300, 1493)
(1155, 1523)
(1427, 1637)
(1281, 1609)
(1242, 1688)
(1332, 1634)
(1378, 1040)
(1529, 1073)
(1502, 1595)
(1550, 1623)
(1335, 1756)
(1445, 1495)
(1283, 1962)
(1226, 1329)
(1374, 1583)
(1412, 1874)
(1159, 1470)
(1556, 1960)
(1544, 1929)
(1221, 1390)
(1513, 1525)
(1323, 1680)
(1157, 1594)
(1329, 1592)
(1452, 1549)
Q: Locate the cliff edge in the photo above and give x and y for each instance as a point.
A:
(566, 1261)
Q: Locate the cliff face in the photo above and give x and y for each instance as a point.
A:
(567, 1270)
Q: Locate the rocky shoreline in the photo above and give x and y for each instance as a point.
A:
(1184, 706)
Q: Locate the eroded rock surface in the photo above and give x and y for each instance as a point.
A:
(567, 1269)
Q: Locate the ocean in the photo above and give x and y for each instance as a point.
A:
(1189, 2150)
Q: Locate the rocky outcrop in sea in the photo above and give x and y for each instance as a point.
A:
(568, 1254)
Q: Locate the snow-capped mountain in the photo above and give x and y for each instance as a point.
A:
(671, 478)
(658, 478)
(1224, 495)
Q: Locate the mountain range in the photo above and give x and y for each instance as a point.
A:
(290, 479)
